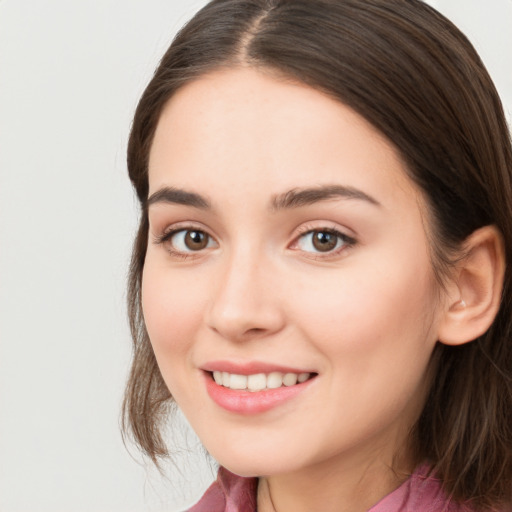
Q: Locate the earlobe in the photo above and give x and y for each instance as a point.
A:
(474, 299)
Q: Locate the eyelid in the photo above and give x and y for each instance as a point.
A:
(170, 231)
(328, 227)
(305, 229)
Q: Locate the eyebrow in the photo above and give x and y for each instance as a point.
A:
(172, 195)
(296, 197)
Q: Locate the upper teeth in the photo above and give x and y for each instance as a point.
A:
(258, 381)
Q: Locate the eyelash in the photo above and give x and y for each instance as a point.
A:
(346, 241)
(167, 236)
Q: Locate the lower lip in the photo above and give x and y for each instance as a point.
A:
(252, 402)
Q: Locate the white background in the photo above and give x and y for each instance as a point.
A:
(70, 75)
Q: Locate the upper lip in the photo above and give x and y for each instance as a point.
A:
(250, 367)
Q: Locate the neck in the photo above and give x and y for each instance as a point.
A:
(352, 484)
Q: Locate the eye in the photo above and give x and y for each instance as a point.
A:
(323, 241)
(187, 240)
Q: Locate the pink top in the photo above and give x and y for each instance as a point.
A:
(420, 493)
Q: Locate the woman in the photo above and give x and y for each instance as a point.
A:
(321, 277)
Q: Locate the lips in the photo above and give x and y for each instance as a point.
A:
(251, 367)
(253, 388)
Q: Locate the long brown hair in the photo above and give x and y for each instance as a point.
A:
(413, 75)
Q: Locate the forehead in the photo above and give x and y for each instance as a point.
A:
(246, 130)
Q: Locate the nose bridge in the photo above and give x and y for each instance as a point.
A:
(244, 302)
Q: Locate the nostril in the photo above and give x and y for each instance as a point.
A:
(255, 330)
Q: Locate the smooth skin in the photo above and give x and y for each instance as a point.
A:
(237, 273)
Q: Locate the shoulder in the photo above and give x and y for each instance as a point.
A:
(421, 492)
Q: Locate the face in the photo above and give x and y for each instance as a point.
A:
(287, 260)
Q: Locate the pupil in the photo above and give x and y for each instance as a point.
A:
(324, 241)
(195, 240)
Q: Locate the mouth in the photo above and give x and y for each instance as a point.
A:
(255, 393)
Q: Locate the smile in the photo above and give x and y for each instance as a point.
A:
(259, 381)
(255, 393)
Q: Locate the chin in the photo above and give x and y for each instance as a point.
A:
(254, 459)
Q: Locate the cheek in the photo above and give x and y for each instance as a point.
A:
(383, 313)
(376, 343)
(172, 312)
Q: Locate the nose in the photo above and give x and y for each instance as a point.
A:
(246, 303)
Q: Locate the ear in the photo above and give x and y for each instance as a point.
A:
(474, 292)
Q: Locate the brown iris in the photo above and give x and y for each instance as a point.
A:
(196, 240)
(323, 241)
